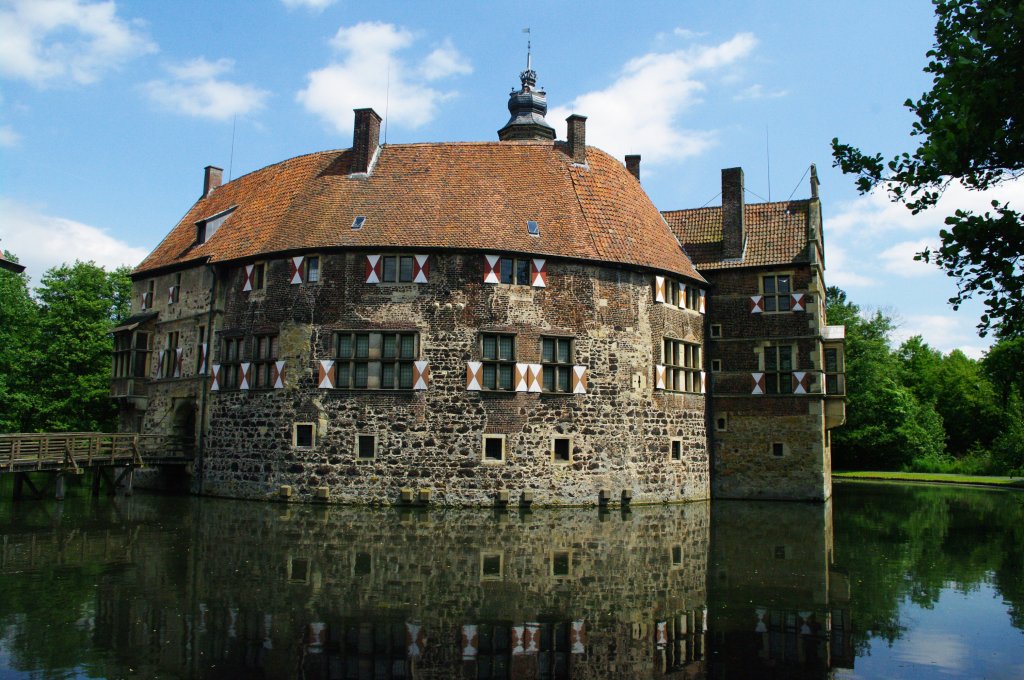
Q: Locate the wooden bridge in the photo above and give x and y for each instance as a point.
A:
(72, 453)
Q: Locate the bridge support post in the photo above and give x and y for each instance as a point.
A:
(128, 478)
(19, 486)
(59, 486)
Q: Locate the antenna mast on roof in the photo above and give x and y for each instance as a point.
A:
(529, 48)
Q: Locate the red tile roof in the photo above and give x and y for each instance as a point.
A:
(475, 196)
(776, 234)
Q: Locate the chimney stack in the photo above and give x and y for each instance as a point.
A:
(577, 138)
(633, 165)
(733, 220)
(814, 181)
(365, 140)
(212, 178)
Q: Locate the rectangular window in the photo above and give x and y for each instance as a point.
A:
(556, 355)
(366, 446)
(312, 265)
(778, 367)
(492, 566)
(692, 300)
(671, 292)
(777, 290)
(259, 275)
(264, 355)
(397, 268)
(175, 290)
(230, 358)
(147, 298)
(561, 450)
(515, 271)
(493, 448)
(716, 330)
(303, 436)
(378, 360)
(200, 359)
(682, 366)
(778, 449)
(716, 365)
(832, 381)
(676, 449)
(170, 358)
(498, 354)
(561, 563)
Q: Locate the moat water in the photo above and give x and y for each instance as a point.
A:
(886, 581)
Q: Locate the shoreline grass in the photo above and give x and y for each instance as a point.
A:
(933, 478)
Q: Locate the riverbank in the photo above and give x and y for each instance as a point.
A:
(932, 478)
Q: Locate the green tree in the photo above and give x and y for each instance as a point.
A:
(78, 306)
(970, 129)
(19, 331)
(886, 425)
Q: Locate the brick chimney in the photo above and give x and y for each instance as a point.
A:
(212, 178)
(577, 138)
(633, 165)
(365, 140)
(733, 222)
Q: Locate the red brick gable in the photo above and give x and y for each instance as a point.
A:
(776, 234)
(475, 196)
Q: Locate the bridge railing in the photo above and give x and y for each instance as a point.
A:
(71, 450)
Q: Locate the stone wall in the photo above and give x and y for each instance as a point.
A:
(620, 429)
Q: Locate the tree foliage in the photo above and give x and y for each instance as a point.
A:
(55, 348)
(968, 130)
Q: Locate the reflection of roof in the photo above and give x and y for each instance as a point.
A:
(11, 266)
(473, 196)
(776, 234)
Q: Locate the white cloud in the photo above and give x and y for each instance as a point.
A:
(686, 33)
(876, 214)
(642, 108)
(315, 5)
(8, 137)
(838, 270)
(195, 89)
(368, 60)
(46, 41)
(899, 259)
(445, 61)
(42, 241)
(757, 91)
(944, 332)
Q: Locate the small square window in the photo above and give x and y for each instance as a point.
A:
(366, 446)
(358, 222)
(494, 448)
(492, 566)
(561, 563)
(780, 552)
(561, 450)
(778, 449)
(716, 330)
(716, 365)
(721, 424)
(303, 436)
(677, 449)
(298, 570)
(362, 564)
(532, 228)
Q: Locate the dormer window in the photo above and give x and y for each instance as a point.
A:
(206, 228)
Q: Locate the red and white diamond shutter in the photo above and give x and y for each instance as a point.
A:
(249, 278)
(579, 379)
(801, 382)
(758, 383)
(202, 358)
(797, 302)
(325, 376)
(538, 273)
(420, 268)
(474, 376)
(373, 268)
(214, 377)
(179, 360)
(659, 289)
(659, 376)
(420, 375)
(756, 304)
(244, 375)
(278, 375)
(702, 302)
(492, 268)
(296, 269)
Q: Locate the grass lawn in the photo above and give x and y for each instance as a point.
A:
(1016, 482)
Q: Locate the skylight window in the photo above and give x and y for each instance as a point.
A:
(357, 223)
(533, 228)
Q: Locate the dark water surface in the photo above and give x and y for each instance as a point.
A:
(887, 581)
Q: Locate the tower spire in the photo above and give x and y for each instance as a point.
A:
(527, 106)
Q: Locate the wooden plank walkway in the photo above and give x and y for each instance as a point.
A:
(75, 451)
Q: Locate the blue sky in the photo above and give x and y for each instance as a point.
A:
(109, 111)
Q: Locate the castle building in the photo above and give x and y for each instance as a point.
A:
(464, 323)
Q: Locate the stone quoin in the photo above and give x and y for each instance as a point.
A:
(508, 322)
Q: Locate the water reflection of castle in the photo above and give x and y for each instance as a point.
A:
(332, 593)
